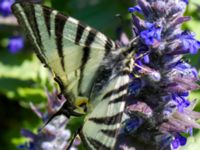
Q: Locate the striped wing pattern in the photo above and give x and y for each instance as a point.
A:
(102, 124)
(79, 56)
(64, 45)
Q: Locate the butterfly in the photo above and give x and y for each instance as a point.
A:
(91, 70)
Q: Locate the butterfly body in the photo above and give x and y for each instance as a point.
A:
(88, 66)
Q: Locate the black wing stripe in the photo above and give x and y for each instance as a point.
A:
(110, 133)
(86, 54)
(102, 76)
(47, 15)
(90, 38)
(34, 24)
(98, 145)
(59, 27)
(109, 120)
(60, 83)
(29, 12)
(30, 15)
(118, 99)
(108, 46)
(79, 32)
(115, 91)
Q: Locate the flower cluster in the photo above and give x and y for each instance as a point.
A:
(158, 108)
(16, 42)
(53, 135)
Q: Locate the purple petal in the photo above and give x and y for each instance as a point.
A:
(175, 144)
(5, 7)
(16, 43)
(135, 9)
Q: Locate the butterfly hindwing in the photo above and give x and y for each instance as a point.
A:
(72, 50)
(102, 125)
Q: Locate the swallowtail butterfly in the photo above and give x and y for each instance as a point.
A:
(88, 66)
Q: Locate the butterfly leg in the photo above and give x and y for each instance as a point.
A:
(71, 141)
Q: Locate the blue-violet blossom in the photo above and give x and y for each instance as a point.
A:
(5, 7)
(15, 44)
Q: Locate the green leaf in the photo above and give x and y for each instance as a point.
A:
(22, 77)
(99, 14)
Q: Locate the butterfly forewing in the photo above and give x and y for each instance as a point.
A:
(73, 51)
(85, 63)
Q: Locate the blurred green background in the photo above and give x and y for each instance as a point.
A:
(23, 79)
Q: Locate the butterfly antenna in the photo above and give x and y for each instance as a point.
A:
(73, 137)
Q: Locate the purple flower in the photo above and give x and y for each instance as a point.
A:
(135, 87)
(5, 7)
(189, 43)
(133, 124)
(186, 1)
(135, 9)
(16, 43)
(178, 141)
(187, 70)
(151, 34)
(146, 59)
(181, 100)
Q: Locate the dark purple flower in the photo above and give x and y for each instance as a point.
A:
(16, 43)
(5, 7)
(178, 141)
(133, 124)
(135, 87)
(186, 70)
(146, 59)
(139, 63)
(151, 34)
(182, 65)
(135, 9)
(181, 100)
(189, 43)
(186, 1)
